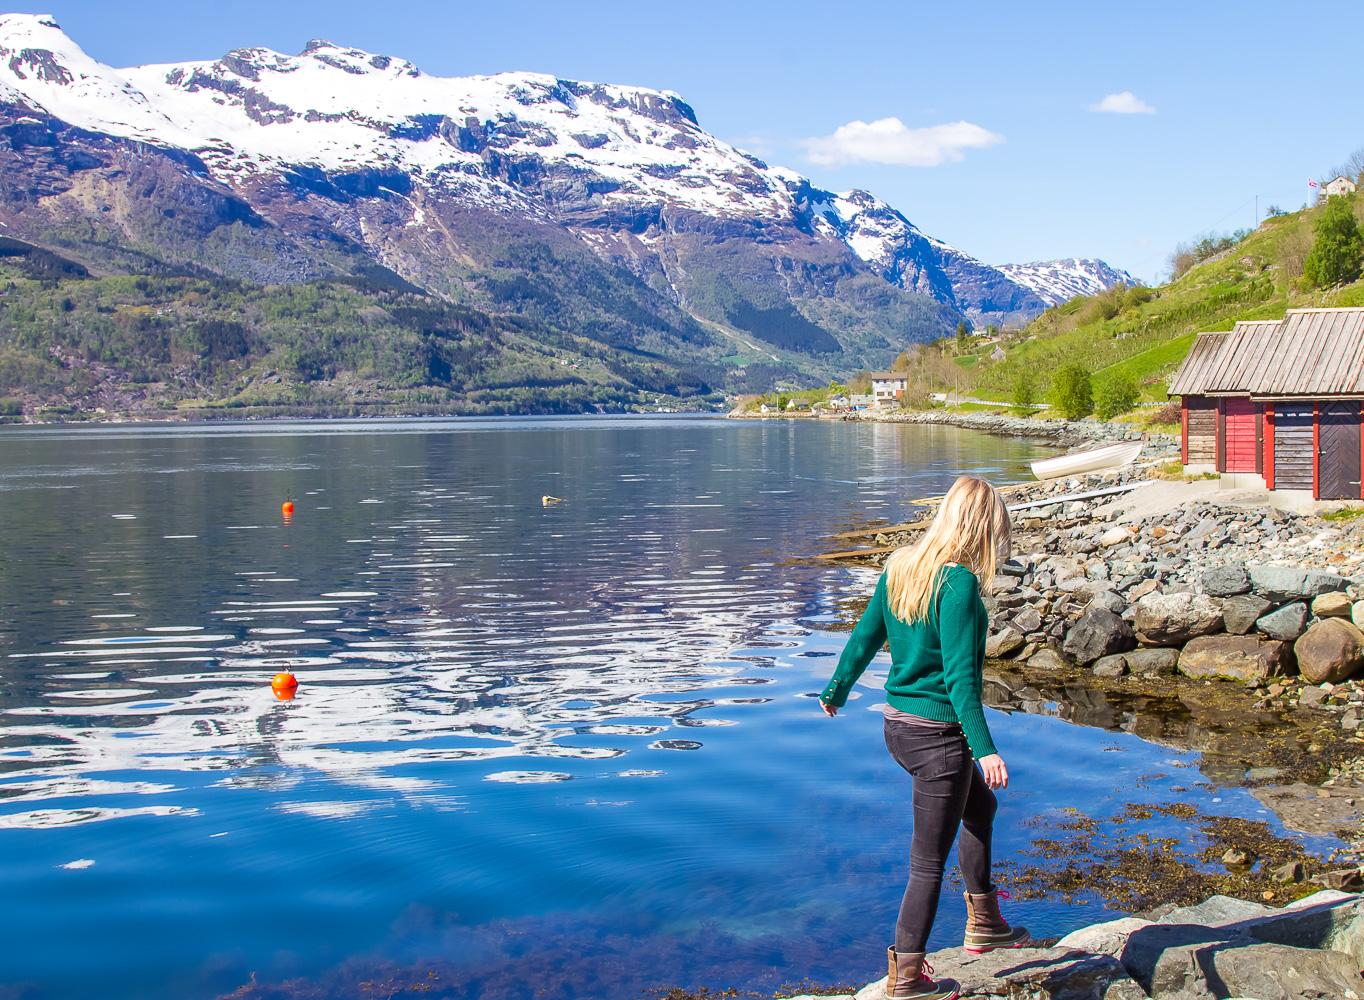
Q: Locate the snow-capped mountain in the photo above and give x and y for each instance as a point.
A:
(517, 192)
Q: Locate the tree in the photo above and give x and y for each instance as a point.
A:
(1024, 391)
(1071, 392)
(1115, 394)
(963, 332)
(1337, 252)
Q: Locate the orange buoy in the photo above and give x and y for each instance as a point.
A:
(285, 686)
(287, 508)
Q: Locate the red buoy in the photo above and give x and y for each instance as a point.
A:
(285, 686)
(287, 508)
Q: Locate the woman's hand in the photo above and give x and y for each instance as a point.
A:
(996, 773)
(829, 710)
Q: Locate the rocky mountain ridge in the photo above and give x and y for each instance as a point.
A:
(515, 193)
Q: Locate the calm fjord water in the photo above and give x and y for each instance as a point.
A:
(582, 733)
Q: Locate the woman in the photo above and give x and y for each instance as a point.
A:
(928, 605)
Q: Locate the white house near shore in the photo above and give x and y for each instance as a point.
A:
(1337, 185)
(888, 388)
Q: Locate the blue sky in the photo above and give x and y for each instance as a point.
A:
(985, 131)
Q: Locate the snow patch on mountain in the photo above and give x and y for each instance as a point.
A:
(1057, 281)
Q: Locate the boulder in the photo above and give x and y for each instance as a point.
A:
(1331, 650)
(1115, 535)
(1140, 590)
(1107, 938)
(1226, 580)
(1034, 973)
(1287, 623)
(1357, 613)
(1244, 658)
(1240, 613)
(1239, 969)
(1027, 620)
(1114, 665)
(1047, 658)
(1174, 619)
(1003, 644)
(1293, 583)
(1158, 662)
(1311, 697)
(1336, 604)
(1107, 599)
(1097, 633)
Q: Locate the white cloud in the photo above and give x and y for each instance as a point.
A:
(1124, 103)
(891, 141)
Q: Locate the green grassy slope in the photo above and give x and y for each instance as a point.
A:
(1146, 333)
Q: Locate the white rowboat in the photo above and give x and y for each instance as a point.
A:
(1112, 456)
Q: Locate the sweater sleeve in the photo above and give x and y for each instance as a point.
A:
(865, 642)
(962, 626)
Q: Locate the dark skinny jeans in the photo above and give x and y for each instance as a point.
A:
(949, 792)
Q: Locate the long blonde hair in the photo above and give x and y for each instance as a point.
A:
(971, 528)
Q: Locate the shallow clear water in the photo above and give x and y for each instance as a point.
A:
(583, 733)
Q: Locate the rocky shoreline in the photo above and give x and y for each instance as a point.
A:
(1311, 949)
(1186, 596)
(1063, 432)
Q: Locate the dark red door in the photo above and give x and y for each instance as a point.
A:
(1338, 458)
(1241, 435)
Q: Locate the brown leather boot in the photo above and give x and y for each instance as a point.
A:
(986, 928)
(910, 979)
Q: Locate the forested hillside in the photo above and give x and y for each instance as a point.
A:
(72, 344)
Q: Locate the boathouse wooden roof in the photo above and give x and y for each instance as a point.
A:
(1310, 352)
(1313, 352)
(1192, 377)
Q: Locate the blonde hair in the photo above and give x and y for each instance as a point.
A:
(971, 528)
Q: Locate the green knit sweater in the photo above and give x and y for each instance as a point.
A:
(935, 669)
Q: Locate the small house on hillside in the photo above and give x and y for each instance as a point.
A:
(998, 354)
(1338, 185)
(1278, 401)
(888, 388)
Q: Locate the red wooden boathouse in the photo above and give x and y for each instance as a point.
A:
(1278, 400)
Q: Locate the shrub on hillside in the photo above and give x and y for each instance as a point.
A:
(1115, 394)
(1024, 392)
(1071, 392)
(1338, 250)
(1187, 255)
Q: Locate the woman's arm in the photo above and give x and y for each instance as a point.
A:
(864, 643)
(962, 623)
